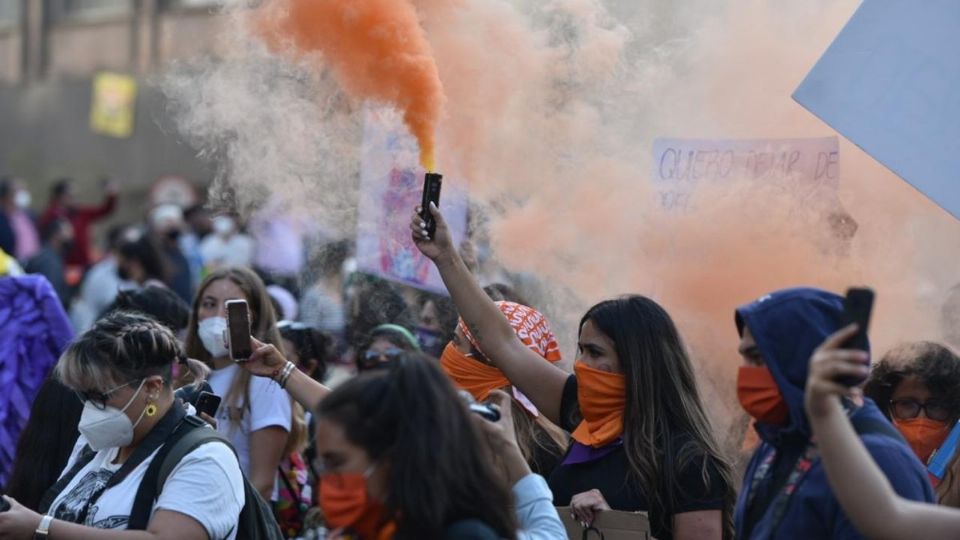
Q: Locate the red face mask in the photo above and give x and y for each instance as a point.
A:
(923, 434)
(760, 396)
(346, 505)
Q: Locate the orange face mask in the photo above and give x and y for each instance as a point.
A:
(923, 434)
(760, 396)
(345, 505)
(471, 375)
(602, 397)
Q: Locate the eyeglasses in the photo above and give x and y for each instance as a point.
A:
(373, 359)
(907, 409)
(99, 399)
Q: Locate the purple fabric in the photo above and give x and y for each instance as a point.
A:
(34, 331)
(581, 453)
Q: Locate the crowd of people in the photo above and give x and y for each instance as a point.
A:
(373, 411)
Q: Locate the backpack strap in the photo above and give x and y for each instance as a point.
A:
(192, 434)
(86, 456)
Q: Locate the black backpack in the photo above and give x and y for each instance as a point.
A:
(256, 520)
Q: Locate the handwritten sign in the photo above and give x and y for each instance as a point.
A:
(889, 84)
(800, 165)
(391, 185)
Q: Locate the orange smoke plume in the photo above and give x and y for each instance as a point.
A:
(375, 49)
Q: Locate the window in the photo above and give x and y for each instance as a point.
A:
(9, 13)
(89, 9)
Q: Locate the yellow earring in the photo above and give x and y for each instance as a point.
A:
(151, 409)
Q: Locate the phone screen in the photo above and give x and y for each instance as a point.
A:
(208, 403)
(857, 307)
(238, 329)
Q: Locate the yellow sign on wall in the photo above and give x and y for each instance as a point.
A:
(113, 105)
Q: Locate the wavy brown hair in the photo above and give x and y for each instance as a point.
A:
(938, 368)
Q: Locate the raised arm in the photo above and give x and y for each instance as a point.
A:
(541, 381)
(858, 483)
(266, 361)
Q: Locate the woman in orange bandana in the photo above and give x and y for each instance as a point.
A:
(401, 461)
(541, 442)
(642, 441)
(920, 385)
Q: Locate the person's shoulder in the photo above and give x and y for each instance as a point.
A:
(469, 529)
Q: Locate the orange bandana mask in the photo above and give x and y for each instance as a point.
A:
(602, 397)
(346, 506)
(478, 378)
(760, 396)
(471, 375)
(924, 435)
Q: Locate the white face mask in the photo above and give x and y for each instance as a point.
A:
(22, 199)
(223, 225)
(108, 427)
(211, 332)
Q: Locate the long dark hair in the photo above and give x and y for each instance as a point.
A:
(440, 469)
(45, 443)
(665, 426)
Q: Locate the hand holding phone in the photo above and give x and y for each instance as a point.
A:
(432, 183)
(208, 403)
(238, 330)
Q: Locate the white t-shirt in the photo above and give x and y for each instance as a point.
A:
(207, 485)
(269, 406)
(234, 251)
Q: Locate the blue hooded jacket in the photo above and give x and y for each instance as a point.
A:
(788, 326)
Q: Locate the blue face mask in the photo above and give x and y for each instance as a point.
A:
(431, 341)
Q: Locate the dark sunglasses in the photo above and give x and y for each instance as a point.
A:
(374, 359)
(99, 399)
(907, 409)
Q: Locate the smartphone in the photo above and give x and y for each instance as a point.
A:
(484, 410)
(238, 330)
(857, 307)
(208, 403)
(431, 194)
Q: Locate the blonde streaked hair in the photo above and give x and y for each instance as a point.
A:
(120, 348)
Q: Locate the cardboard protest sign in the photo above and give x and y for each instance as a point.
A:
(391, 184)
(609, 525)
(889, 84)
(802, 166)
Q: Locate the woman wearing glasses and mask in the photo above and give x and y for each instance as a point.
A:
(920, 385)
(121, 369)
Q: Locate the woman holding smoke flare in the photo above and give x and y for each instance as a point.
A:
(632, 405)
(859, 485)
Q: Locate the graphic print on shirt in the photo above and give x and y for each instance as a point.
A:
(75, 501)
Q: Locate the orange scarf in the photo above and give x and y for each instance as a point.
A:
(602, 397)
(471, 375)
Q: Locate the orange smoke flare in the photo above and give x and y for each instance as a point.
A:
(376, 50)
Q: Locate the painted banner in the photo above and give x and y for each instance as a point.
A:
(113, 104)
(804, 166)
(889, 84)
(391, 186)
